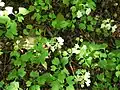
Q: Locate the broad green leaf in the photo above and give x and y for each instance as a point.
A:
(89, 18)
(53, 68)
(90, 28)
(29, 26)
(93, 22)
(4, 19)
(23, 11)
(41, 79)
(12, 75)
(25, 57)
(89, 60)
(64, 61)
(117, 74)
(73, 8)
(66, 2)
(13, 86)
(101, 77)
(61, 77)
(1, 84)
(35, 87)
(118, 67)
(20, 18)
(12, 27)
(55, 85)
(70, 87)
(1, 32)
(117, 42)
(25, 32)
(21, 72)
(28, 83)
(102, 63)
(82, 26)
(55, 61)
(31, 8)
(70, 80)
(34, 74)
(60, 17)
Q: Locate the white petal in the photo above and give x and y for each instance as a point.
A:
(88, 11)
(9, 10)
(2, 4)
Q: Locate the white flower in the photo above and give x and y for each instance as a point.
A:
(79, 14)
(114, 28)
(74, 50)
(102, 26)
(88, 82)
(18, 41)
(108, 26)
(1, 13)
(77, 46)
(60, 40)
(88, 11)
(82, 85)
(9, 10)
(2, 4)
(86, 76)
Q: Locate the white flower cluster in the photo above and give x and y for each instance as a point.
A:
(8, 10)
(83, 78)
(106, 24)
(86, 78)
(28, 43)
(55, 44)
(87, 11)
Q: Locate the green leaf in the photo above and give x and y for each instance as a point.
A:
(12, 75)
(70, 87)
(31, 8)
(55, 85)
(64, 61)
(117, 42)
(21, 72)
(55, 61)
(89, 60)
(117, 74)
(93, 22)
(35, 87)
(89, 18)
(90, 28)
(61, 77)
(1, 84)
(1, 32)
(102, 63)
(25, 57)
(70, 79)
(4, 19)
(118, 67)
(53, 68)
(20, 18)
(73, 8)
(25, 32)
(34, 74)
(66, 2)
(60, 17)
(82, 26)
(29, 26)
(28, 83)
(101, 77)
(23, 11)
(13, 86)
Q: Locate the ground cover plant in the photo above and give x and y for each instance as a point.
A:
(59, 45)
